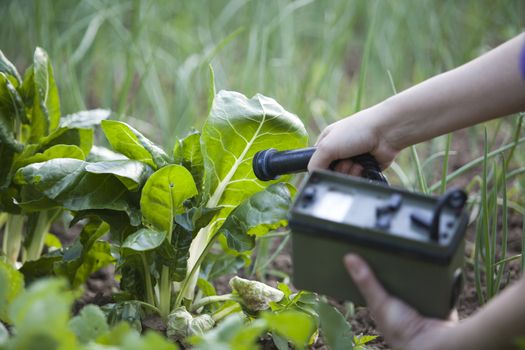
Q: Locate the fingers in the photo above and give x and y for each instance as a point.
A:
(347, 166)
(374, 294)
(321, 159)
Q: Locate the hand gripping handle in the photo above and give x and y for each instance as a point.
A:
(270, 163)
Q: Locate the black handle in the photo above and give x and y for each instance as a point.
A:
(270, 163)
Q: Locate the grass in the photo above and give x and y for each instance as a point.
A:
(149, 62)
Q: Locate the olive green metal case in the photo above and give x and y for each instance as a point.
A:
(335, 214)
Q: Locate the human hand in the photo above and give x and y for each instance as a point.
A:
(358, 134)
(402, 326)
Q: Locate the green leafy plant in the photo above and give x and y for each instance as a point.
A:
(175, 222)
(32, 130)
(40, 318)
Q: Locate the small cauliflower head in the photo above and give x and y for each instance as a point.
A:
(182, 324)
(255, 295)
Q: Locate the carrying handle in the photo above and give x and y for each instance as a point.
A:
(270, 164)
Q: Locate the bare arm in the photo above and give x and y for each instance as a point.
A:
(485, 88)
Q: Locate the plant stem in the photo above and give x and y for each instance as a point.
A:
(189, 277)
(149, 286)
(165, 292)
(3, 219)
(165, 283)
(13, 237)
(38, 236)
(213, 299)
(225, 312)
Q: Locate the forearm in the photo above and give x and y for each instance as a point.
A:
(495, 326)
(487, 87)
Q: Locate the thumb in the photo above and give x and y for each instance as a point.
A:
(365, 280)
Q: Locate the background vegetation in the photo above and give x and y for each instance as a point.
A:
(148, 62)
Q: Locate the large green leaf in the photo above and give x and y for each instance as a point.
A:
(9, 68)
(43, 267)
(262, 212)
(235, 130)
(295, 326)
(336, 331)
(89, 324)
(131, 143)
(11, 102)
(163, 196)
(133, 278)
(53, 152)
(85, 119)
(232, 333)
(46, 106)
(87, 255)
(40, 316)
(187, 152)
(11, 285)
(83, 138)
(11, 108)
(68, 182)
(180, 243)
(7, 156)
(131, 173)
(121, 225)
(144, 239)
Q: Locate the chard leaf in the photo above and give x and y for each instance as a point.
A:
(131, 173)
(163, 196)
(83, 138)
(40, 315)
(217, 265)
(262, 212)
(128, 311)
(232, 333)
(11, 285)
(9, 110)
(196, 218)
(89, 324)
(56, 151)
(7, 156)
(122, 336)
(133, 278)
(67, 182)
(43, 267)
(235, 130)
(187, 152)
(85, 119)
(11, 102)
(46, 106)
(86, 255)
(99, 154)
(131, 143)
(336, 331)
(120, 224)
(33, 200)
(206, 287)
(144, 240)
(9, 68)
(295, 326)
(180, 249)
